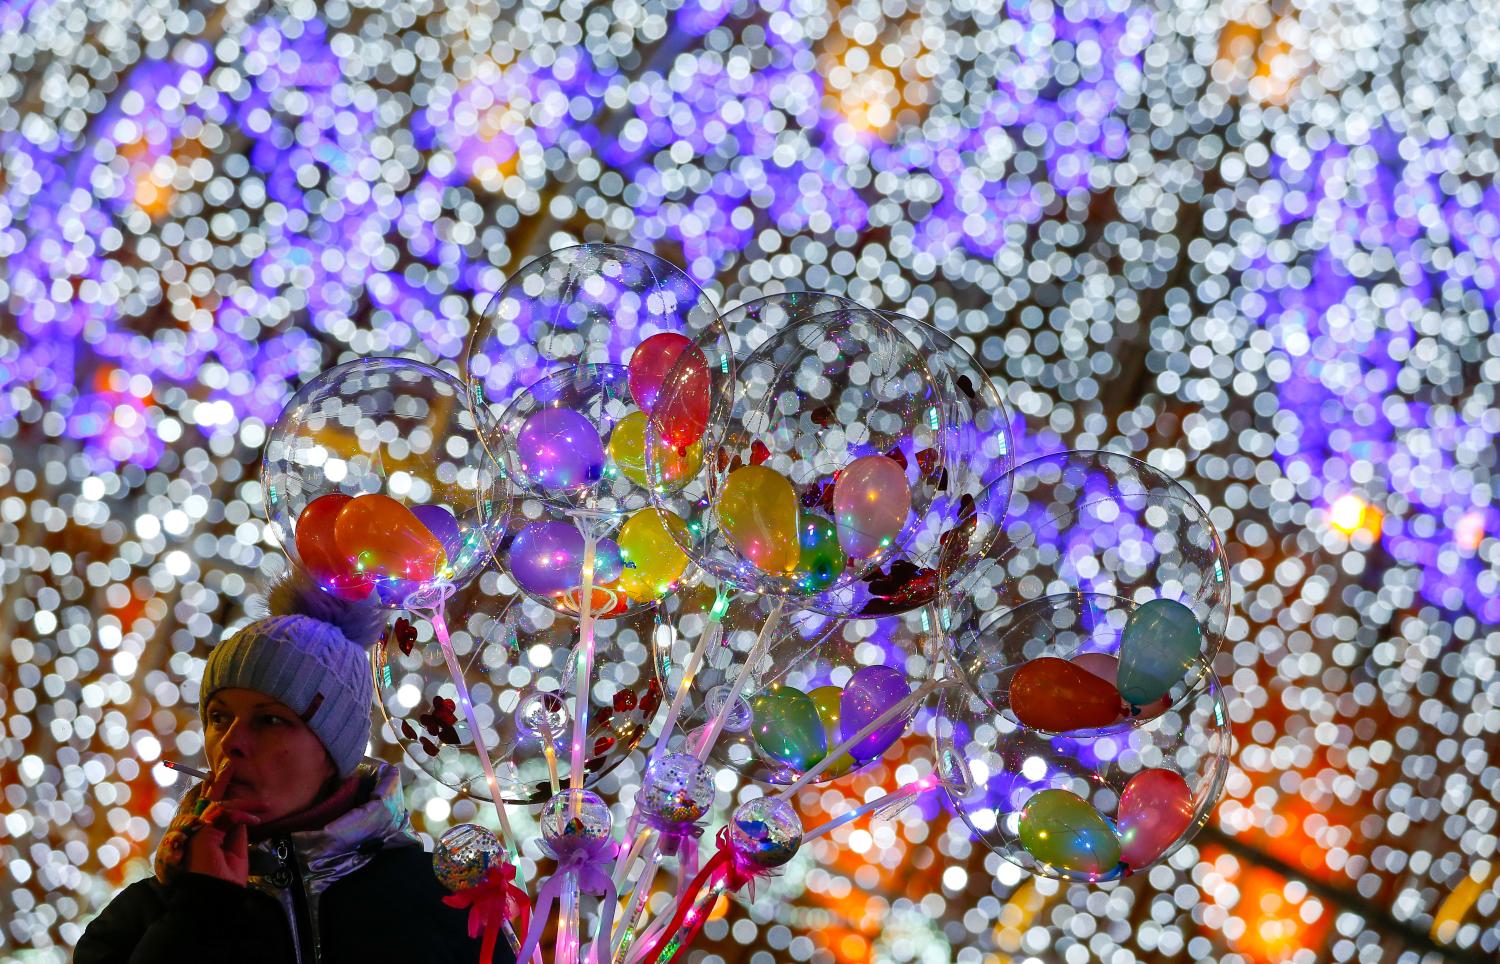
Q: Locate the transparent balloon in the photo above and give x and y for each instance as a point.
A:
(765, 831)
(1088, 525)
(573, 817)
(959, 525)
(518, 658)
(831, 453)
(1084, 807)
(376, 481)
(587, 304)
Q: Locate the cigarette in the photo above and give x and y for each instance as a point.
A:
(184, 768)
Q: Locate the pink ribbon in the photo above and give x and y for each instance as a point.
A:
(588, 862)
(491, 902)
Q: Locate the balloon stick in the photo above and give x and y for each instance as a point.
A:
(762, 643)
(879, 803)
(440, 630)
(585, 659)
(711, 634)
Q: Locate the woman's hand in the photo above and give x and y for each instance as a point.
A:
(220, 847)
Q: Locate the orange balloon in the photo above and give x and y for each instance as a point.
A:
(319, 552)
(1055, 695)
(386, 540)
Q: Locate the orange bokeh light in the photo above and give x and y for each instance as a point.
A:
(1350, 513)
(1277, 924)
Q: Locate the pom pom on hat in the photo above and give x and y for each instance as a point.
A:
(310, 651)
(296, 594)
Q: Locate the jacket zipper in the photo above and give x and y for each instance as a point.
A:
(292, 875)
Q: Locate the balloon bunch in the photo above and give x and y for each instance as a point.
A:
(781, 534)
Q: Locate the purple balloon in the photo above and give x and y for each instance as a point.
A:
(560, 450)
(870, 692)
(546, 559)
(441, 523)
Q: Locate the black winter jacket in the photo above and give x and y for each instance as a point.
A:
(359, 890)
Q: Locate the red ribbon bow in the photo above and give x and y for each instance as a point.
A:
(491, 902)
(733, 873)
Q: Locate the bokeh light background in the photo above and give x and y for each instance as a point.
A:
(1255, 243)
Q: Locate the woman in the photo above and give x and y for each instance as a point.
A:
(295, 849)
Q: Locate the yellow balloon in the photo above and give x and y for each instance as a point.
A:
(627, 448)
(826, 701)
(653, 560)
(758, 510)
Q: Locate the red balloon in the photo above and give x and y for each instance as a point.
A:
(1155, 808)
(1055, 695)
(683, 416)
(386, 540)
(318, 549)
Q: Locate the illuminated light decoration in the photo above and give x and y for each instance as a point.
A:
(1285, 297)
(1350, 514)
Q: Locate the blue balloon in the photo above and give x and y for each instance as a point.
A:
(1160, 642)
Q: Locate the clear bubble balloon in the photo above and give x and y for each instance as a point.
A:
(587, 304)
(574, 817)
(376, 481)
(1088, 807)
(962, 520)
(676, 789)
(518, 658)
(1088, 537)
(765, 831)
(840, 394)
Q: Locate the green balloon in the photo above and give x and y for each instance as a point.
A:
(1160, 642)
(822, 559)
(787, 727)
(1061, 829)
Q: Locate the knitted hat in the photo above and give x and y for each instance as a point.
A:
(309, 652)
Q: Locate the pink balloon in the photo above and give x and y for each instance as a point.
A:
(1107, 667)
(1155, 809)
(871, 501)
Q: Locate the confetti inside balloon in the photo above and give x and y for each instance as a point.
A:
(766, 831)
(463, 854)
(575, 816)
(677, 788)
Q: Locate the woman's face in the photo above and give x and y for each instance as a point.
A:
(279, 765)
